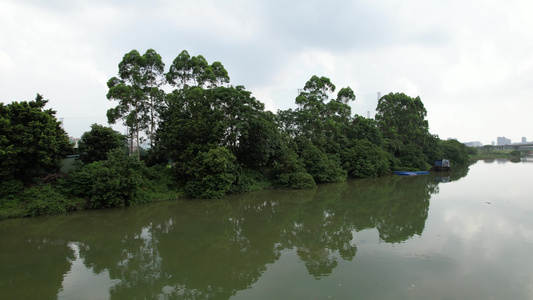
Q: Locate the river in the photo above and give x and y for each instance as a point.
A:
(461, 235)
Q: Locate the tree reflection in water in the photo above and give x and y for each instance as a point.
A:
(212, 249)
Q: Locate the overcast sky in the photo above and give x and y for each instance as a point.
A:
(471, 62)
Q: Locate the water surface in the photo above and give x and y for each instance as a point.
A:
(461, 235)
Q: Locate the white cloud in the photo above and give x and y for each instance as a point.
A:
(468, 61)
(221, 20)
(407, 86)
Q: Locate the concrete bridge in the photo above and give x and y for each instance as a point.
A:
(515, 146)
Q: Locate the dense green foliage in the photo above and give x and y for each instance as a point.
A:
(95, 144)
(319, 129)
(137, 90)
(211, 173)
(117, 181)
(211, 132)
(322, 166)
(120, 180)
(41, 199)
(208, 139)
(365, 159)
(402, 121)
(32, 142)
(289, 172)
(455, 151)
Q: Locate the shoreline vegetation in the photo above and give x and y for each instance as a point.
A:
(207, 139)
(495, 154)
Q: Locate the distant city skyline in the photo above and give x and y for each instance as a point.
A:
(501, 140)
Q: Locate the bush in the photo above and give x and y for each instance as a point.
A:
(110, 183)
(323, 167)
(365, 160)
(32, 142)
(455, 151)
(10, 199)
(471, 150)
(297, 180)
(157, 185)
(412, 159)
(516, 153)
(212, 174)
(41, 199)
(249, 180)
(210, 186)
(289, 172)
(81, 180)
(46, 200)
(95, 144)
(116, 181)
(155, 156)
(10, 188)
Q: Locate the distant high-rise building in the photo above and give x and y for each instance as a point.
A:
(524, 140)
(501, 140)
(473, 144)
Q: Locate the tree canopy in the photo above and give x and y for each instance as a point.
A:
(137, 89)
(218, 137)
(32, 142)
(402, 121)
(96, 143)
(187, 71)
(199, 121)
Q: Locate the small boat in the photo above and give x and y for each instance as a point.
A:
(442, 165)
(410, 173)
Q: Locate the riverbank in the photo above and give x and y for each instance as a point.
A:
(493, 154)
(47, 199)
(86, 189)
(119, 181)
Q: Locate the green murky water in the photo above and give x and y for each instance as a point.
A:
(464, 235)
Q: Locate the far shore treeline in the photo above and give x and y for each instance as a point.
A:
(207, 139)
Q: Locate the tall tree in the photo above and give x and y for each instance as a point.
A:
(199, 121)
(220, 74)
(127, 89)
(312, 104)
(402, 120)
(32, 142)
(318, 117)
(137, 90)
(362, 128)
(250, 132)
(191, 133)
(200, 70)
(319, 126)
(189, 126)
(187, 71)
(180, 72)
(153, 71)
